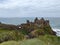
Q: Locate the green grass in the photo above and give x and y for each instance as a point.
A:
(10, 43)
(25, 42)
(42, 40)
(32, 42)
(12, 37)
(6, 35)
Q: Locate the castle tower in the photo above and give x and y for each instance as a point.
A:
(28, 21)
(36, 19)
(47, 22)
(42, 21)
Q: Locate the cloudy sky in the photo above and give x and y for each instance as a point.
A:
(29, 8)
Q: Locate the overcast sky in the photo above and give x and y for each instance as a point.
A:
(29, 8)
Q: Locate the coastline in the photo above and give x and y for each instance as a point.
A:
(57, 31)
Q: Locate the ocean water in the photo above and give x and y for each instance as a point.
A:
(54, 22)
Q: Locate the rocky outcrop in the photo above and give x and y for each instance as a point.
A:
(36, 28)
(31, 29)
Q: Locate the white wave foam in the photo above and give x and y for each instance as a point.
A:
(57, 31)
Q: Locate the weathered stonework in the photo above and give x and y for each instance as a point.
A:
(38, 27)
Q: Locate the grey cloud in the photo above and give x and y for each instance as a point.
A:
(33, 8)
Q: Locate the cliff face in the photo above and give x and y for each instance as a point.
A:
(38, 27)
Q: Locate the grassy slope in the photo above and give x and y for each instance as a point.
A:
(25, 42)
(6, 35)
(43, 40)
